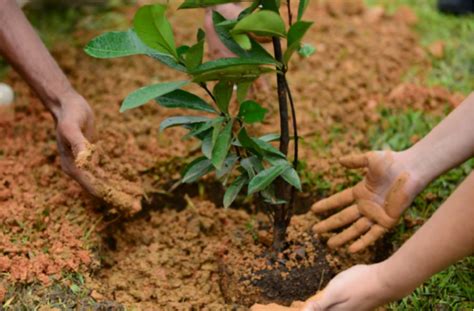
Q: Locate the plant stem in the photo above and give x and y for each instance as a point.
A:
(204, 86)
(282, 101)
(295, 125)
(280, 212)
(290, 16)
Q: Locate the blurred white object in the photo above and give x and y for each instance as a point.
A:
(6, 94)
(22, 3)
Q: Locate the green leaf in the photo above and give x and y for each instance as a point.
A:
(143, 95)
(223, 93)
(196, 169)
(272, 5)
(234, 190)
(270, 137)
(257, 51)
(207, 145)
(126, 43)
(199, 129)
(243, 90)
(252, 165)
(225, 63)
(251, 112)
(246, 141)
(236, 74)
(268, 148)
(243, 40)
(201, 35)
(263, 179)
(290, 175)
(154, 30)
(181, 120)
(116, 44)
(222, 146)
(185, 100)
(229, 163)
(263, 23)
(194, 55)
(181, 50)
(307, 50)
(295, 34)
(192, 4)
(303, 5)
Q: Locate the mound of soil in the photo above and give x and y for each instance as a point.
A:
(179, 260)
(254, 274)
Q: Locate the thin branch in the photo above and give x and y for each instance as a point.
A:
(290, 16)
(204, 86)
(282, 99)
(295, 125)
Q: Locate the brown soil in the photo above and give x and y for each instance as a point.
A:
(122, 197)
(166, 258)
(250, 273)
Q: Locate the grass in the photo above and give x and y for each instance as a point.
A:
(455, 70)
(452, 288)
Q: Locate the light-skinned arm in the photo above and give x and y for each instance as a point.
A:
(394, 179)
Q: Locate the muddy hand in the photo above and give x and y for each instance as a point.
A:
(295, 306)
(371, 207)
(74, 128)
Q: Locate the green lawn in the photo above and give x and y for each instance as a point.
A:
(455, 70)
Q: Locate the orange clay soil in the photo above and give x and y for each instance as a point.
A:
(122, 197)
(49, 227)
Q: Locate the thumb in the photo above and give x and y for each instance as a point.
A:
(317, 302)
(72, 136)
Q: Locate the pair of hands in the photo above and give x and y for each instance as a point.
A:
(370, 208)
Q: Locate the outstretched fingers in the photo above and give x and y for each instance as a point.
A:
(355, 160)
(340, 199)
(367, 239)
(343, 218)
(358, 228)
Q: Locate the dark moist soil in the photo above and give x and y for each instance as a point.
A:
(167, 256)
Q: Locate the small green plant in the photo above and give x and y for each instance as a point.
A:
(239, 159)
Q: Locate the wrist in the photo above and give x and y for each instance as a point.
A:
(60, 99)
(420, 173)
(390, 288)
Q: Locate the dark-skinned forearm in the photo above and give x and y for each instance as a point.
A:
(23, 49)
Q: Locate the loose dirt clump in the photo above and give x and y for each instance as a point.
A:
(120, 196)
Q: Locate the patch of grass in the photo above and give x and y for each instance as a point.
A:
(452, 288)
(71, 293)
(398, 131)
(455, 70)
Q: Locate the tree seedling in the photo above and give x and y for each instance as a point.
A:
(240, 160)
